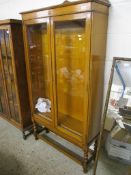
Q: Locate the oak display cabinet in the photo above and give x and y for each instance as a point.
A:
(65, 56)
(14, 101)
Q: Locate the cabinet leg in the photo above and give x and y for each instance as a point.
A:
(35, 131)
(85, 161)
(95, 148)
(24, 136)
(27, 132)
(47, 130)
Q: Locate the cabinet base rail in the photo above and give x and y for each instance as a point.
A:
(88, 156)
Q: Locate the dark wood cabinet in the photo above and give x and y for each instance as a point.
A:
(14, 101)
(65, 54)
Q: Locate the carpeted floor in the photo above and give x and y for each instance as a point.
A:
(30, 157)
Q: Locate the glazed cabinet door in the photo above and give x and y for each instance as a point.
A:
(7, 64)
(4, 110)
(3, 102)
(38, 63)
(71, 57)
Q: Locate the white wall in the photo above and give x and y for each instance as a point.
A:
(12, 8)
(119, 33)
(119, 28)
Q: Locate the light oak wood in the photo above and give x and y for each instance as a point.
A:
(69, 8)
(67, 43)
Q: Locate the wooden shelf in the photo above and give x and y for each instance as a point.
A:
(43, 114)
(69, 123)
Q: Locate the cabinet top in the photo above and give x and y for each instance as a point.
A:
(68, 3)
(10, 21)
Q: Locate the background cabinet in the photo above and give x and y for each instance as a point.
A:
(14, 102)
(65, 51)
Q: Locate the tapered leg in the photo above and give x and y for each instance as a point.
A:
(85, 161)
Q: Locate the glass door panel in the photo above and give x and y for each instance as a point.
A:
(3, 99)
(12, 92)
(40, 69)
(8, 75)
(3, 104)
(70, 50)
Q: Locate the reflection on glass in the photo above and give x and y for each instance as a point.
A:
(40, 63)
(116, 143)
(70, 66)
(8, 73)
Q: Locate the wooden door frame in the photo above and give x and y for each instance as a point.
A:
(28, 67)
(69, 17)
(14, 74)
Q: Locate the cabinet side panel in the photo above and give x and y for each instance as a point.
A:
(19, 57)
(97, 66)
